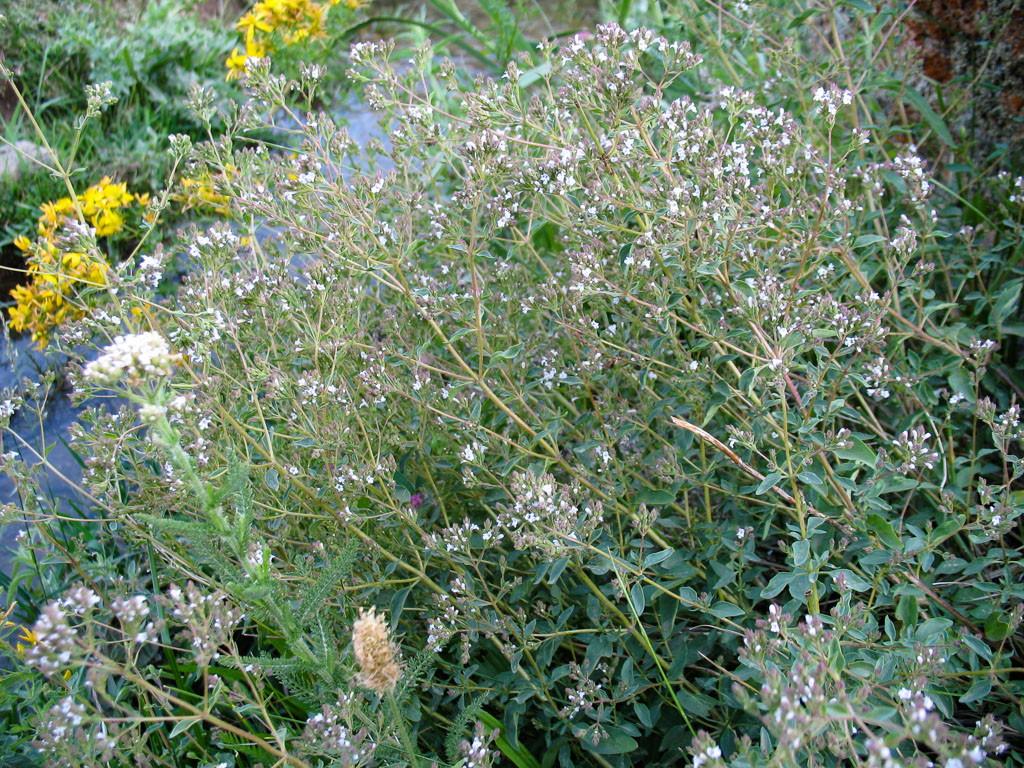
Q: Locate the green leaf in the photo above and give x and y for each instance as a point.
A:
(656, 557)
(698, 705)
(958, 381)
(928, 632)
(315, 597)
(1006, 302)
(618, 743)
(800, 18)
(906, 610)
(518, 754)
(397, 604)
(724, 610)
(809, 477)
(865, 240)
(979, 647)
(643, 714)
(778, 583)
(654, 498)
(183, 725)
(977, 692)
(769, 482)
(801, 551)
(884, 530)
(930, 116)
(895, 485)
(508, 354)
(853, 581)
(859, 453)
(996, 628)
(557, 569)
(688, 596)
(725, 573)
(636, 596)
(272, 479)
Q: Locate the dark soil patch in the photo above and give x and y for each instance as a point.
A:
(983, 41)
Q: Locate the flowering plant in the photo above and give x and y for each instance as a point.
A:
(287, 21)
(641, 394)
(59, 267)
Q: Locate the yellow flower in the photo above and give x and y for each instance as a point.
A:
(99, 203)
(294, 20)
(28, 636)
(236, 61)
(252, 24)
(108, 223)
(53, 215)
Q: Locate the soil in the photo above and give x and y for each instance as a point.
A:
(221, 9)
(980, 40)
(8, 101)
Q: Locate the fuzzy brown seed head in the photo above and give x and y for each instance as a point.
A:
(376, 655)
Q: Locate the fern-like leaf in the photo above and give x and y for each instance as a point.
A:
(315, 596)
(461, 724)
(414, 670)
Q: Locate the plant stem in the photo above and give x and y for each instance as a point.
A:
(403, 732)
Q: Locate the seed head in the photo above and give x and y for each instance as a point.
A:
(375, 653)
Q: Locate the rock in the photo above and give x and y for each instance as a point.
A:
(17, 159)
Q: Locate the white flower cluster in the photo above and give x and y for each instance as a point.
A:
(139, 355)
(99, 97)
(831, 100)
(329, 732)
(914, 445)
(130, 610)
(208, 618)
(151, 270)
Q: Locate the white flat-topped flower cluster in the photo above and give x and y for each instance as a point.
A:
(139, 355)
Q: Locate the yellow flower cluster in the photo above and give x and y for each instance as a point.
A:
(199, 192)
(44, 303)
(101, 205)
(294, 20)
(26, 636)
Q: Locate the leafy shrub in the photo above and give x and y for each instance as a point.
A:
(30, 39)
(153, 59)
(665, 417)
(57, 52)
